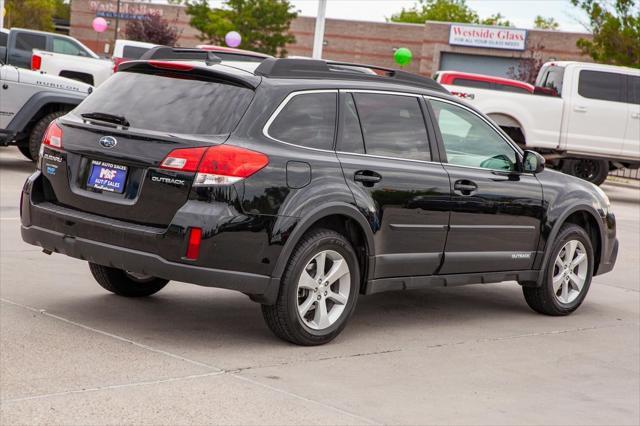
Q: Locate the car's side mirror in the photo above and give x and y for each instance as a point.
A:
(545, 91)
(532, 162)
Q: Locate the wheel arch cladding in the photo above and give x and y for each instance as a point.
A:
(40, 105)
(346, 220)
(585, 217)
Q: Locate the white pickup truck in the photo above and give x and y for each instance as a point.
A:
(583, 117)
(89, 70)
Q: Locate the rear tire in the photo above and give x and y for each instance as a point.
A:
(125, 283)
(567, 279)
(594, 171)
(314, 302)
(37, 132)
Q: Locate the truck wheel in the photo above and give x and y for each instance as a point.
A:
(567, 275)
(123, 283)
(318, 292)
(37, 132)
(24, 150)
(594, 171)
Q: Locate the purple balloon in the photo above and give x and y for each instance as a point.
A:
(233, 39)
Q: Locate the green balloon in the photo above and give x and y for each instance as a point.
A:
(403, 56)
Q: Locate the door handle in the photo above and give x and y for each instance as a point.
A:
(367, 177)
(580, 108)
(465, 187)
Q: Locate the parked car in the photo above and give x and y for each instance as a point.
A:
(29, 101)
(585, 117)
(230, 54)
(480, 81)
(305, 187)
(127, 50)
(55, 54)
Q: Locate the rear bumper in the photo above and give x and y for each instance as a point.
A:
(230, 253)
(145, 263)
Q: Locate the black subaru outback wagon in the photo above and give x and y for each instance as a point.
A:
(305, 184)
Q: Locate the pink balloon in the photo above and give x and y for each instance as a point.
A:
(99, 24)
(233, 39)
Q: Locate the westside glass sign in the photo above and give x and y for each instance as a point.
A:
(488, 37)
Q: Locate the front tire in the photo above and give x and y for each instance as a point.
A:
(127, 284)
(318, 292)
(567, 275)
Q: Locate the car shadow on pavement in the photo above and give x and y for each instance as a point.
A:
(202, 321)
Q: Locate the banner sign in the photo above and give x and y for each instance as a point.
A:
(487, 37)
(128, 10)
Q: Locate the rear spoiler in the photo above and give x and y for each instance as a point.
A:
(163, 57)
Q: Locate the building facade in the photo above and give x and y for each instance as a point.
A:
(435, 45)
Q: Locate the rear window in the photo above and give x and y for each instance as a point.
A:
(604, 86)
(133, 52)
(28, 42)
(634, 89)
(164, 103)
(466, 82)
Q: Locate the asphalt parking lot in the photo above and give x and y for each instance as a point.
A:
(71, 353)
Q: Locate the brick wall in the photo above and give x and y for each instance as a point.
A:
(345, 40)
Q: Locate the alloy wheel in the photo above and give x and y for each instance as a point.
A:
(323, 290)
(570, 271)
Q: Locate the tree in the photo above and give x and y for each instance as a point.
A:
(543, 23)
(62, 10)
(437, 10)
(152, 29)
(528, 66)
(496, 19)
(263, 24)
(33, 14)
(616, 32)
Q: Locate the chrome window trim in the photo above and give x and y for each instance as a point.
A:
(384, 157)
(274, 115)
(382, 92)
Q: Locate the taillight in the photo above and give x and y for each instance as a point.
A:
(36, 62)
(193, 246)
(217, 165)
(116, 62)
(184, 160)
(53, 136)
(226, 164)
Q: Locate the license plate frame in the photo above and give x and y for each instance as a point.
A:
(107, 177)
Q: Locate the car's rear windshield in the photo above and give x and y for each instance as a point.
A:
(172, 103)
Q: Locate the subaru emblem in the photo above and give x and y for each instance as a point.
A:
(108, 141)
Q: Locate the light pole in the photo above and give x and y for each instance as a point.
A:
(318, 36)
(115, 37)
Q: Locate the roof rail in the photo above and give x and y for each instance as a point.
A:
(315, 68)
(180, 54)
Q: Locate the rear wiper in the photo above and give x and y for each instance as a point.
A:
(106, 117)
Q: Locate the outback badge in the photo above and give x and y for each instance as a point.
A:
(108, 141)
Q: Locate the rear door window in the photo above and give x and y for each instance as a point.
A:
(350, 132)
(67, 47)
(173, 103)
(604, 86)
(28, 42)
(393, 126)
(307, 120)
